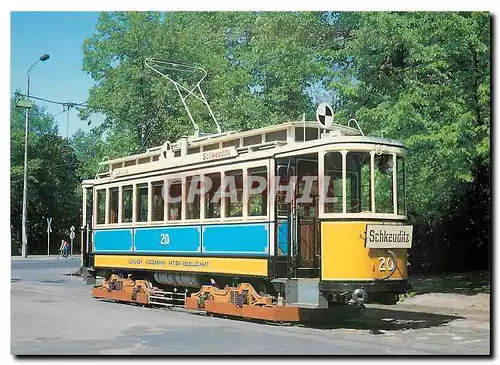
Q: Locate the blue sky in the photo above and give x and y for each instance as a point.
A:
(60, 78)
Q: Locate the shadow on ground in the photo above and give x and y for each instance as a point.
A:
(376, 320)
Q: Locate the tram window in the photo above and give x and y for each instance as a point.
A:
(383, 184)
(358, 184)
(113, 205)
(333, 182)
(177, 153)
(144, 160)
(127, 194)
(231, 143)
(101, 206)
(130, 163)
(252, 140)
(212, 208)
(234, 193)
(193, 150)
(193, 184)
(116, 166)
(400, 184)
(257, 191)
(156, 157)
(142, 203)
(311, 133)
(276, 136)
(211, 147)
(174, 200)
(157, 201)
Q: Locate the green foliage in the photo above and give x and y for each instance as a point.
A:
(52, 183)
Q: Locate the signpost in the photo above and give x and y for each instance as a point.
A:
(72, 237)
(49, 229)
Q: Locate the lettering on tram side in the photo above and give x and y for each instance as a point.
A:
(188, 263)
(220, 153)
(164, 239)
(386, 236)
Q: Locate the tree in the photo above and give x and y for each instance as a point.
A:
(52, 183)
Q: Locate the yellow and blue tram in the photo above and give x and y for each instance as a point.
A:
(327, 228)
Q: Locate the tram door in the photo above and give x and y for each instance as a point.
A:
(297, 235)
(307, 224)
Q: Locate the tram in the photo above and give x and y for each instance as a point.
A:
(274, 223)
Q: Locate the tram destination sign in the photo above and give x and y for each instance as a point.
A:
(219, 154)
(388, 236)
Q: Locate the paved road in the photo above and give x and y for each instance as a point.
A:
(53, 313)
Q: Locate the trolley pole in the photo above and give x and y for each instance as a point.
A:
(49, 229)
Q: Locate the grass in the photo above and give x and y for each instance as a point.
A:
(462, 283)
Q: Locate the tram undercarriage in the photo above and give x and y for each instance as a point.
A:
(302, 300)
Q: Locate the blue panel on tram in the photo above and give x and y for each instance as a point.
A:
(237, 239)
(113, 240)
(171, 239)
(282, 238)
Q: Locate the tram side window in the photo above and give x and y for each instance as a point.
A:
(400, 184)
(257, 191)
(142, 203)
(174, 201)
(101, 206)
(333, 182)
(127, 204)
(384, 165)
(157, 201)
(193, 184)
(358, 184)
(234, 193)
(113, 205)
(212, 207)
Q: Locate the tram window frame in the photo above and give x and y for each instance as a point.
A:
(401, 185)
(228, 205)
(363, 191)
(334, 180)
(114, 196)
(384, 182)
(171, 204)
(100, 206)
(142, 202)
(210, 207)
(157, 201)
(193, 209)
(127, 203)
(257, 171)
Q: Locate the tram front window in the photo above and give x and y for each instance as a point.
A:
(358, 184)
(400, 184)
(384, 166)
(333, 182)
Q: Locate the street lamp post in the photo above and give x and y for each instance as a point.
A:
(24, 252)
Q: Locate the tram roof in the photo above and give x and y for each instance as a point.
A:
(212, 139)
(207, 148)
